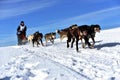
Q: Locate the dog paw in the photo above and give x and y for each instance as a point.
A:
(91, 46)
(83, 45)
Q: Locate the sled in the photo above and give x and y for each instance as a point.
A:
(23, 39)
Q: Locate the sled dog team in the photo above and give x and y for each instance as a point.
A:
(37, 36)
(74, 33)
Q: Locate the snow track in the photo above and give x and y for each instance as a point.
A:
(74, 73)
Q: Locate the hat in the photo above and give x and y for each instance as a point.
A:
(22, 21)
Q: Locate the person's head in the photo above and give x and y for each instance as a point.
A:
(22, 23)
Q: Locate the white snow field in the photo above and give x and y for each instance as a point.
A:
(57, 62)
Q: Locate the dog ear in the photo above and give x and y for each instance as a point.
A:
(57, 31)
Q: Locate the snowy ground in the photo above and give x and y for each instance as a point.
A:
(56, 62)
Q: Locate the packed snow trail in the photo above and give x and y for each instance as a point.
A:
(93, 63)
(31, 66)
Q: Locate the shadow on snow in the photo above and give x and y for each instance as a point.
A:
(106, 45)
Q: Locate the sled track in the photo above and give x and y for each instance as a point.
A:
(68, 69)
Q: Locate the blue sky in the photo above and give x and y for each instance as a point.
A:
(49, 15)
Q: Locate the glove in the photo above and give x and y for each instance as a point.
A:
(18, 32)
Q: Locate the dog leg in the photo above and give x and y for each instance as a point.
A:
(41, 42)
(83, 44)
(72, 42)
(77, 44)
(33, 42)
(38, 44)
(60, 38)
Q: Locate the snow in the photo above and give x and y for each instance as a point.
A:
(57, 62)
